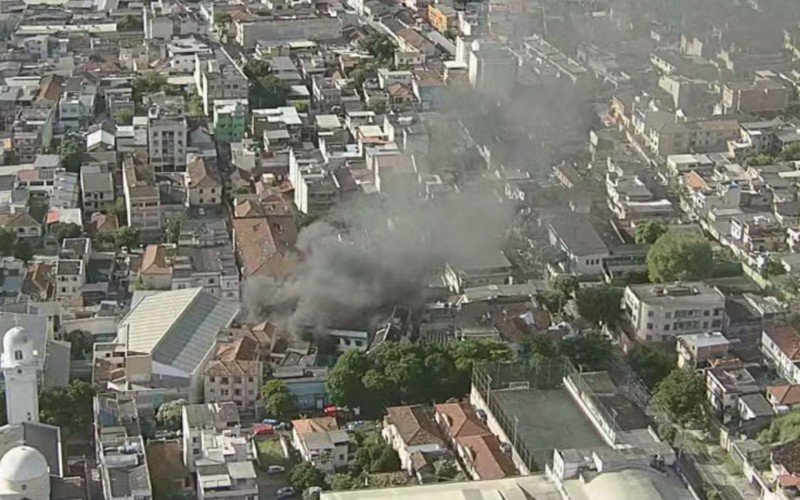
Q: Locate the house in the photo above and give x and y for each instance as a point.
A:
(174, 335)
(581, 243)
(97, 187)
(260, 252)
(101, 137)
(784, 398)
(32, 132)
(230, 119)
(696, 350)
(235, 375)
(216, 450)
(477, 270)
(459, 420)
(781, 348)
(410, 430)
(70, 280)
(658, 313)
(38, 284)
(785, 467)
(320, 442)
(142, 196)
(726, 384)
(203, 184)
(22, 224)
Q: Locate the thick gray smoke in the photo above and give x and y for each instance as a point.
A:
(384, 257)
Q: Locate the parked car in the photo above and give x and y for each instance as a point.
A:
(285, 492)
(271, 421)
(263, 430)
(276, 469)
(283, 426)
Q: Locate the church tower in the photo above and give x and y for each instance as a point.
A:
(18, 362)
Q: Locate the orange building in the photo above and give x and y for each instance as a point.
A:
(442, 17)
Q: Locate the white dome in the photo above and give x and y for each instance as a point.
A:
(17, 347)
(22, 464)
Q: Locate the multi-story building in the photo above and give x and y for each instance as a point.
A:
(218, 77)
(320, 442)
(230, 119)
(182, 53)
(235, 375)
(77, 105)
(97, 186)
(167, 133)
(442, 16)
(493, 69)
(659, 312)
(120, 452)
(203, 184)
(410, 430)
(762, 96)
(32, 132)
(70, 279)
(315, 191)
(142, 196)
(781, 348)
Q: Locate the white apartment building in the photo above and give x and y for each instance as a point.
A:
(142, 197)
(167, 133)
(660, 312)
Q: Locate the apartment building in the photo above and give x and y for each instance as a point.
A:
(203, 184)
(235, 375)
(320, 442)
(660, 312)
(218, 77)
(230, 119)
(762, 96)
(119, 448)
(142, 196)
(171, 267)
(166, 133)
(215, 449)
(781, 347)
(77, 104)
(97, 186)
(70, 279)
(315, 191)
(442, 16)
(32, 132)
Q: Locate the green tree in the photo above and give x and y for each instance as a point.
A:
(682, 397)
(69, 408)
(195, 105)
(538, 349)
(600, 304)
(592, 351)
(761, 160)
(783, 429)
(149, 83)
(567, 284)
(790, 152)
(7, 238)
(222, 18)
(127, 237)
(553, 300)
(61, 231)
(304, 475)
(380, 46)
(23, 250)
(268, 92)
(278, 401)
(774, 268)
(130, 23)
(124, 117)
(361, 75)
(70, 150)
(650, 365)
(81, 344)
(679, 256)
(341, 482)
(173, 229)
(170, 414)
(648, 232)
(375, 456)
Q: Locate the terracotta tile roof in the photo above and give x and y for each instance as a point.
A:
(399, 91)
(219, 368)
(38, 281)
(103, 223)
(787, 339)
(241, 349)
(202, 174)
(788, 455)
(17, 220)
(461, 420)
(319, 424)
(785, 394)
(258, 251)
(414, 425)
(50, 88)
(694, 181)
(248, 208)
(154, 261)
(487, 457)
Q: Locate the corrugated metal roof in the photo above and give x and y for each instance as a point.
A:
(177, 327)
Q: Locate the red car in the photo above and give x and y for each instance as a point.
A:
(263, 430)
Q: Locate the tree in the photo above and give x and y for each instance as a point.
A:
(124, 117)
(61, 231)
(173, 229)
(648, 232)
(222, 18)
(774, 268)
(23, 250)
(127, 237)
(70, 152)
(380, 46)
(600, 304)
(341, 482)
(268, 92)
(553, 300)
(170, 414)
(361, 75)
(150, 83)
(538, 349)
(567, 284)
(6, 241)
(682, 397)
(130, 23)
(651, 366)
(589, 352)
(195, 105)
(679, 256)
(790, 152)
(304, 475)
(374, 456)
(81, 343)
(761, 160)
(69, 408)
(783, 429)
(278, 401)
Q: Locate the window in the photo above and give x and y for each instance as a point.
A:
(250, 379)
(237, 392)
(706, 313)
(237, 380)
(650, 314)
(224, 392)
(667, 327)
(18, 355)
(211, 378)
(649, 326)
(716, 323)
(224, 380)
(668, 315)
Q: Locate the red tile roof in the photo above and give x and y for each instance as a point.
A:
(787, 339)
(785, 394)
(461, 420)
(487, 458)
